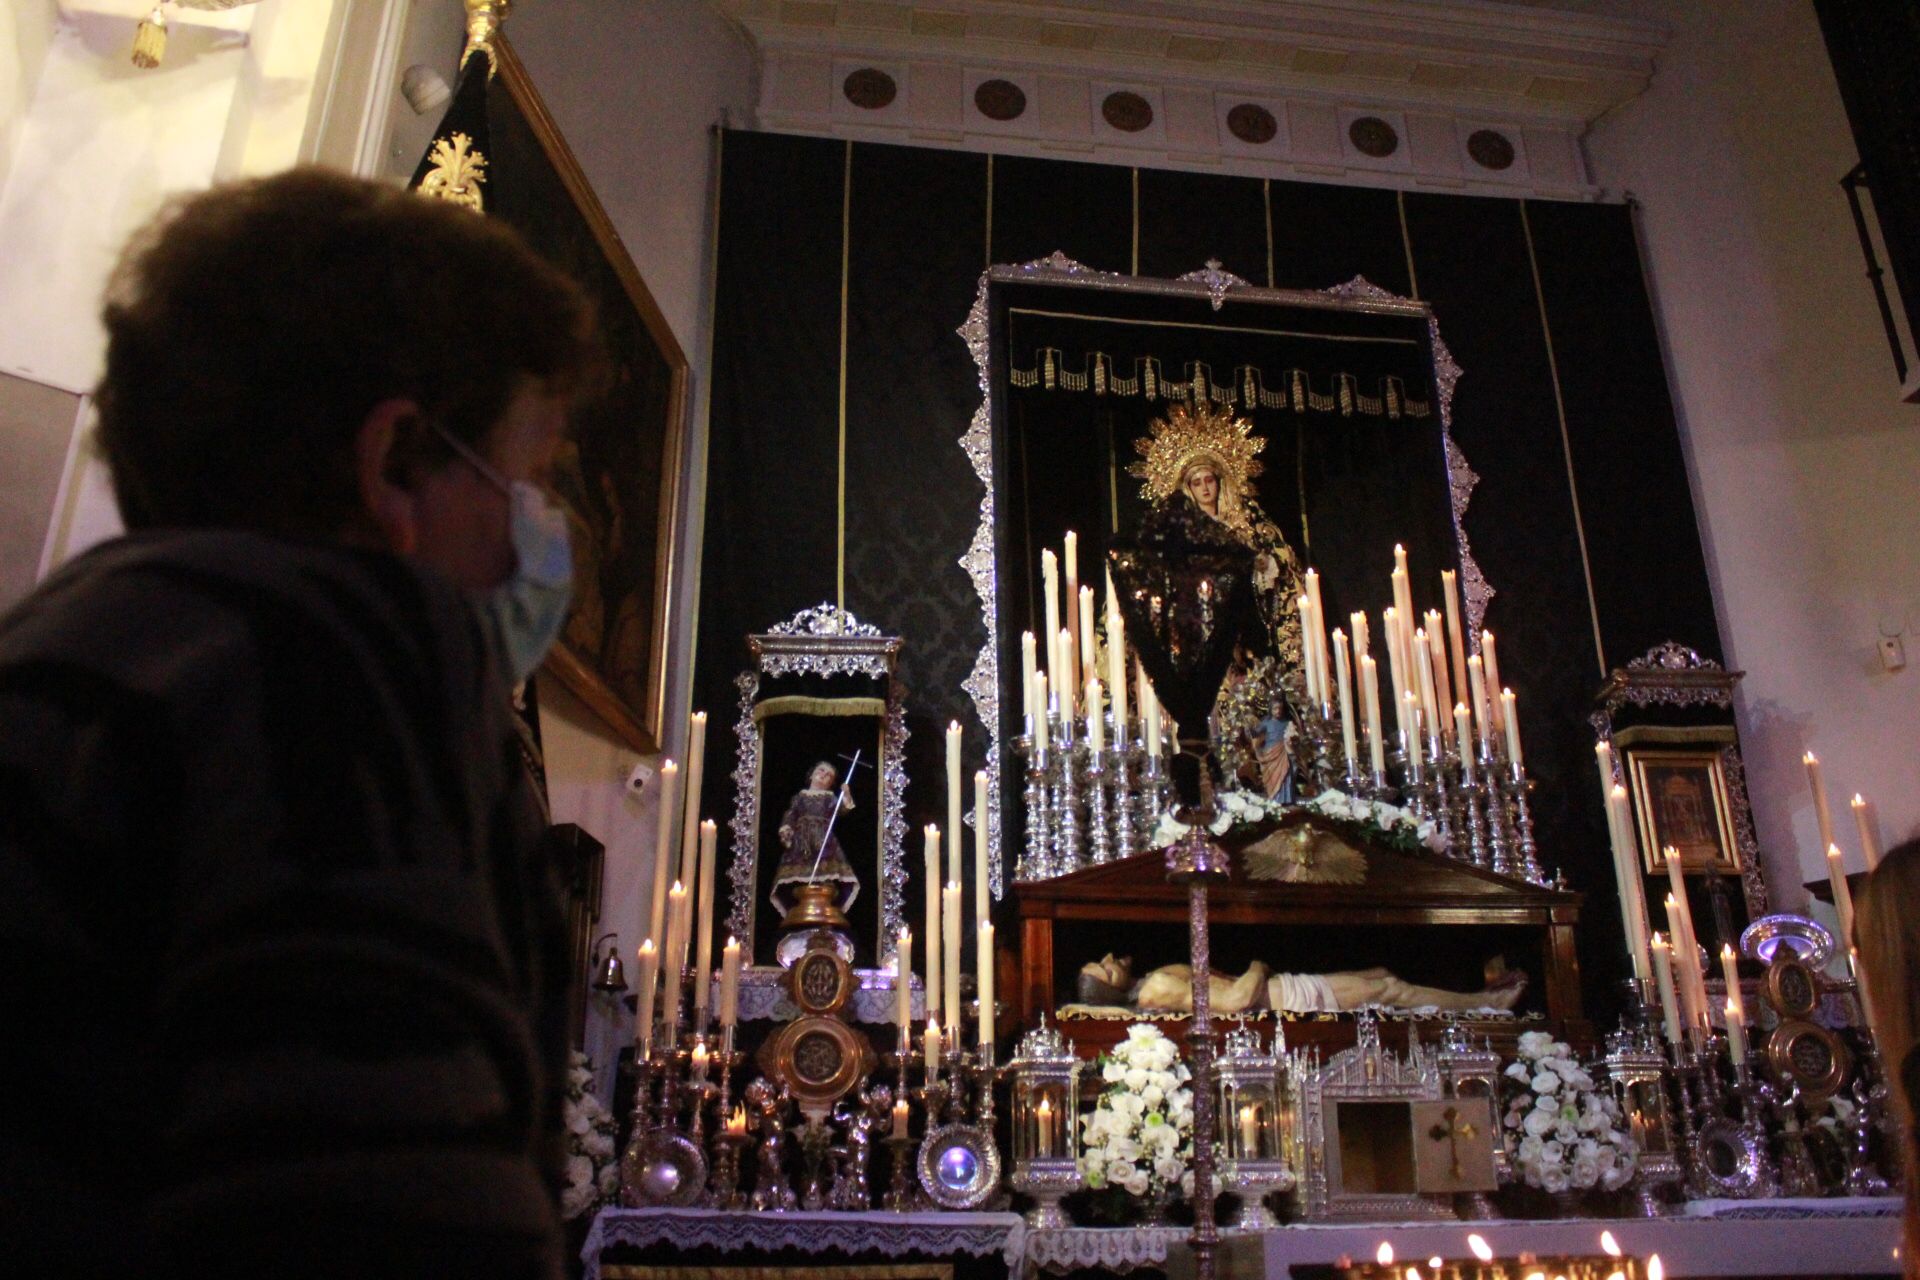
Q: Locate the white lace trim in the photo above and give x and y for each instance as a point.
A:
(893, 1234)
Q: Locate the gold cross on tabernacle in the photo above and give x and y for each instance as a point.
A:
(1451, 1132)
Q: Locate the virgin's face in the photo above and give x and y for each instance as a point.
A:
(1203, 486)
(821, 778)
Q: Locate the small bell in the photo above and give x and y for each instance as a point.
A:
(150, 41)
(610, 975)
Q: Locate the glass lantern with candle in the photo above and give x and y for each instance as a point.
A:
(1637, 1071)
(1255, 1121)
(1045, 1087)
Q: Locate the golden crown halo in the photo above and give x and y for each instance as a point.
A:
(1189, 435)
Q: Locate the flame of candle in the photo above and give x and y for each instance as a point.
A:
(1481, 1249)
(1384, 1254)
(737, 1121)
(1655, 1269)
(1608, 1245)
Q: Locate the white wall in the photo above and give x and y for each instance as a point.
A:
(1804, 464)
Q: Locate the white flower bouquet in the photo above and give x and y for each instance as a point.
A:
(1385, 823)
(593, 1166)
(1562, 1130)
(1138, 1139)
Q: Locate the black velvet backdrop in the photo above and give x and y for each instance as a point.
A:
(919, 241)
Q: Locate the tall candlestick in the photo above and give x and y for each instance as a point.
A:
(1463, 734)
(1343, 669)
(1512, 725)
(1869, 843)
(730, 983)
(1319, 636)
(983, 979)
(1457, 647)
(671, 965)
(1482, 717)
(1820, 809)
(1149, 710)
(1089, 663)
(932, 882)
(1041, 729)
(1437, 655)
(690, 808)
(1050, 601)
(1663, 979)
(1842, 895)
(950, 936)
(903, 981)
(1490, 660)
(982, 893)
(703, 948)
(1096, 729)
(1029, 668)
(649, 990)
(953, 801)
(1116, 664)
(663, 849)
(1072, 655)
(1370, 695)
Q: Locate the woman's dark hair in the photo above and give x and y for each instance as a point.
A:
(252, 327)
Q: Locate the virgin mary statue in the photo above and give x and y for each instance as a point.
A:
(1210, 456)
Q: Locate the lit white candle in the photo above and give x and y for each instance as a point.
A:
(1490, 660)
(1463, 734)
(1343, 669)
(649, 990)
(1403, 606)
(703, 948)
(1730, 972)
(1395, 652)
(931, 879)
(1676, 925)
(1116, 664)
(1305, 608)
(899, 1117)
(1096, 726)
(1050, 601)
(1065, 683)
(1319, 630)
(1512, 725)
(1040, 723)
(953, 801)
(1869, 843)
(1437, 655)
(1370, 694)
(730, 983)
(1457, 647)
(1043, 1127)
(950, 936)
(1663, 979)
(1482, 717)
(1149, 710)
(690, 807)
(663, 849)
(903, 980)
(1089, 663)
(982, 891)
(1423, 672)
(1736, 1031)
(671, 965)
(1819, 788)
(1249, 1133)
(931, 1041)
(1626, 862)
(1072, 565)
(1410, 743)
(1029, 668)
(984, 979)
(1842, 894)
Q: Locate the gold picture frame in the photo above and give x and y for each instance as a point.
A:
(620, 475)
(1680, 800)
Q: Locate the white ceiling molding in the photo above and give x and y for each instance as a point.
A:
(1449, 94)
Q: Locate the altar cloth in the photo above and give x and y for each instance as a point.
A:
(934, 1234)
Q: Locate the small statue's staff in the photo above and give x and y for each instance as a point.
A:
(853, 767)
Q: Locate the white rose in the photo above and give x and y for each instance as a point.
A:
(1534, 1044)
(1153, 1095)
(1113, 1073)
(1136, 1079)
(1167, 1168)
(575, 1201)
(1545, 1082)
(1136, 1182)
(1537, 1123)
(1530, 1149)
(1553, 1178)
(1123, 1148)
(1586, 1172)
(598, 1145)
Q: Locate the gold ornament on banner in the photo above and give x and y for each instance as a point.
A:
(150, 40)
(483, 20)
(1198, 434)
(457, 173)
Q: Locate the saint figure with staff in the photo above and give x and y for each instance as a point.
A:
(809, 851)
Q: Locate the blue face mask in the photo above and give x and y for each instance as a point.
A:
(529, 609)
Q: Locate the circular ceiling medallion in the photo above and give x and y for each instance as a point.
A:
(1252, 123)
(1128, 112)
(1000, 100)
(869, 89)
(1374, 137)
(1490, 150)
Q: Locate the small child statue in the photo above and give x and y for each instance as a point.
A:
(770, 1189)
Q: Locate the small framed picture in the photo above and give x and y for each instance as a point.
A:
(1680, 801)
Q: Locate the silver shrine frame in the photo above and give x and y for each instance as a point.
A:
(1218, 286)
(822, 641)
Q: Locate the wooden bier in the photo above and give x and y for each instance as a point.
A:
(1399, 889)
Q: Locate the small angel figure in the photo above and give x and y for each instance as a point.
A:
(770, 1189)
